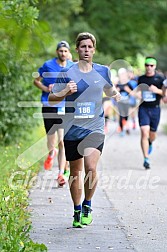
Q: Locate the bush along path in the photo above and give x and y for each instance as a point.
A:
(15, 223)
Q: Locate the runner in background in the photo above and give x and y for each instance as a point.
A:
(149, 109)
(45, 81)
(125, 89)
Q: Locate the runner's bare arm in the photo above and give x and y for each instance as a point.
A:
(156, 90)
(38, 83)
(57, 97)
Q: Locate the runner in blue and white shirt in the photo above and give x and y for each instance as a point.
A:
(82, 86)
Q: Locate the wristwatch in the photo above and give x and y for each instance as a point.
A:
(51, 92)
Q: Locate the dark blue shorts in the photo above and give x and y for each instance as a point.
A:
(149, 116)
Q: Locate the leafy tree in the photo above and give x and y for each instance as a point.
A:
(160, 55)
(123, 28)
(58, 14)
(21, 37)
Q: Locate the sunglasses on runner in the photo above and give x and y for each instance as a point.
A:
(147, 65)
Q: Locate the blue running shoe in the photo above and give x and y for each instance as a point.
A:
(150, 148)
(122, 133)
(146, 164)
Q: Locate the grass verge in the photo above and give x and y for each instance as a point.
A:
(14, 214)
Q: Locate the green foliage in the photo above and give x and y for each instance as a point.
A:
(14, 185)
(161, 57)
(123, 28)
(58, 14)
(11, 152)
(14, 224)
(21, 39)
(14, 89)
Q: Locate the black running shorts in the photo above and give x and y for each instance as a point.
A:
(75, 149)
(52, 121)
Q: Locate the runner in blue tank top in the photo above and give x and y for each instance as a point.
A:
(52, 122)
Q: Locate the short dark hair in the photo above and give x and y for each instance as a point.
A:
(83, 36)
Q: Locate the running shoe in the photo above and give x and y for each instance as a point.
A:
(60, 179)
(77, 219)
(86, 217)
(122, 133)
(49, 161)
(146, 164)
(150, 148)
(67, 173)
